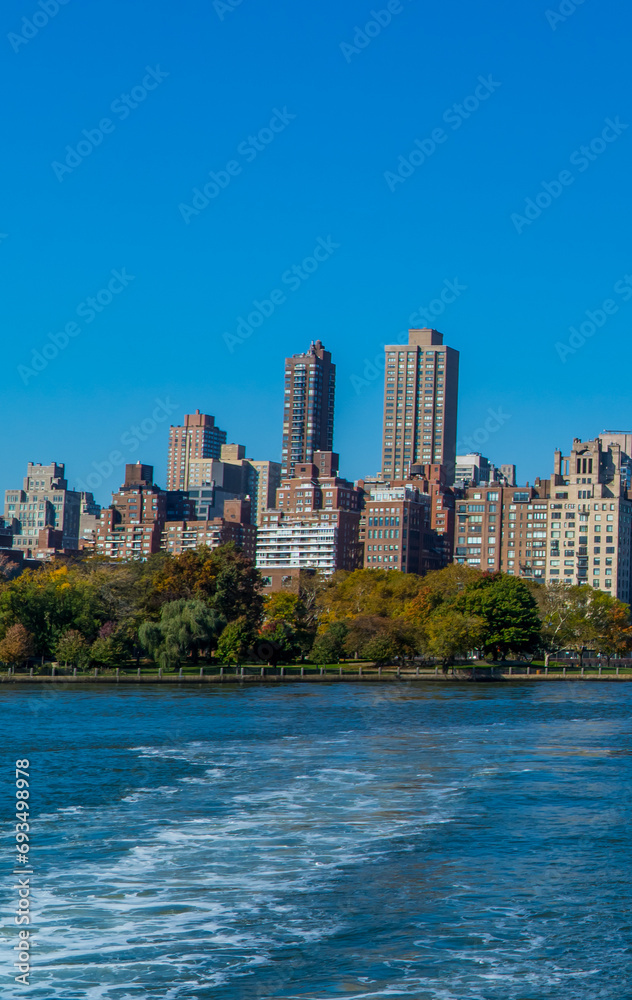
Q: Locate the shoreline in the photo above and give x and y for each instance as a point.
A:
(507, 676)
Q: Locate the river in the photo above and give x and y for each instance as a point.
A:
(452, 842)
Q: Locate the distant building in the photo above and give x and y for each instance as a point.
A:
(213, 481)
(472, 469)
(308, 415)
(398, 533)
(492, 523)
(43, 505)
(508, 472)
(132, 527)
(197, 438)
(420, 404)
(315, 525)
(235, 526)
(574, 528)
(89, 516)
(266, 480)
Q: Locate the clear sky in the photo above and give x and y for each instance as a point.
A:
(307, 122)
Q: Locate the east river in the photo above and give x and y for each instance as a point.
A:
(357, 841)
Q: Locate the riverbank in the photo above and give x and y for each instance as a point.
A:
(480, 673)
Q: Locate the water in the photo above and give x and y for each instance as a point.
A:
(466, 842)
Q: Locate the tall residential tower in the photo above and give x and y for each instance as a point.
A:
(308, 416)
(197, 438)
(420, 405)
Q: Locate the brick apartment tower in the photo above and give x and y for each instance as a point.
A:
(197, 438)
(308, 416)
(131, 528)
(420, 405)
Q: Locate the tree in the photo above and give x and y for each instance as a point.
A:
(223, 577)
(610, 624)
(185, 628)
(450, 633)
(110, 648)
(380, 639)
(9, 568)
(235, 641)
(71, 647)
(558, 613)
(17, 645)
(508, 610)
(284, 634)
(372, 592)
(49, 601)
(329, 645)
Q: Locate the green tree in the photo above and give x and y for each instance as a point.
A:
(329, 645)
(508, 610)
(449, 633)
(284, 635)
(222, 577)
(50, 601)
(71, 647)
(558, 614)
(373, 637)
(235, 641)
(185, 628)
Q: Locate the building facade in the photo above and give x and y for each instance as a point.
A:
(43, 505)
(315, 525)
(308, 415)
(575, 528)
(132, 527)
(235, 526)
(420, 404)
(197, 438)
(89, 517)
(266, 480)
(503, 528)
(288, 543)
(213, 481)
(396, 530)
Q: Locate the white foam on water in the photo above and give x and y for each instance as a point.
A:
(235, 886)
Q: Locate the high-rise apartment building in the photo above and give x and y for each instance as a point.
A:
(315, 524)
(44, 514)
(212, 481)
(396, 520)
(420, 404)
(265, 483)
(234, 526)
(197, 438)
(90, 513)
(575, 528)
(503, 528)
(308, 416)
(132, 527)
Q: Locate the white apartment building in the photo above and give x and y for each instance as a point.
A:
(298, 543)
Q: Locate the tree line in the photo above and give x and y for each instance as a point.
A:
(209, 605)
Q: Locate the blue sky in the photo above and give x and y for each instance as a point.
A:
(347, 110)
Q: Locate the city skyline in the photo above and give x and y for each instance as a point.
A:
(145, 442)
(344, 220)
